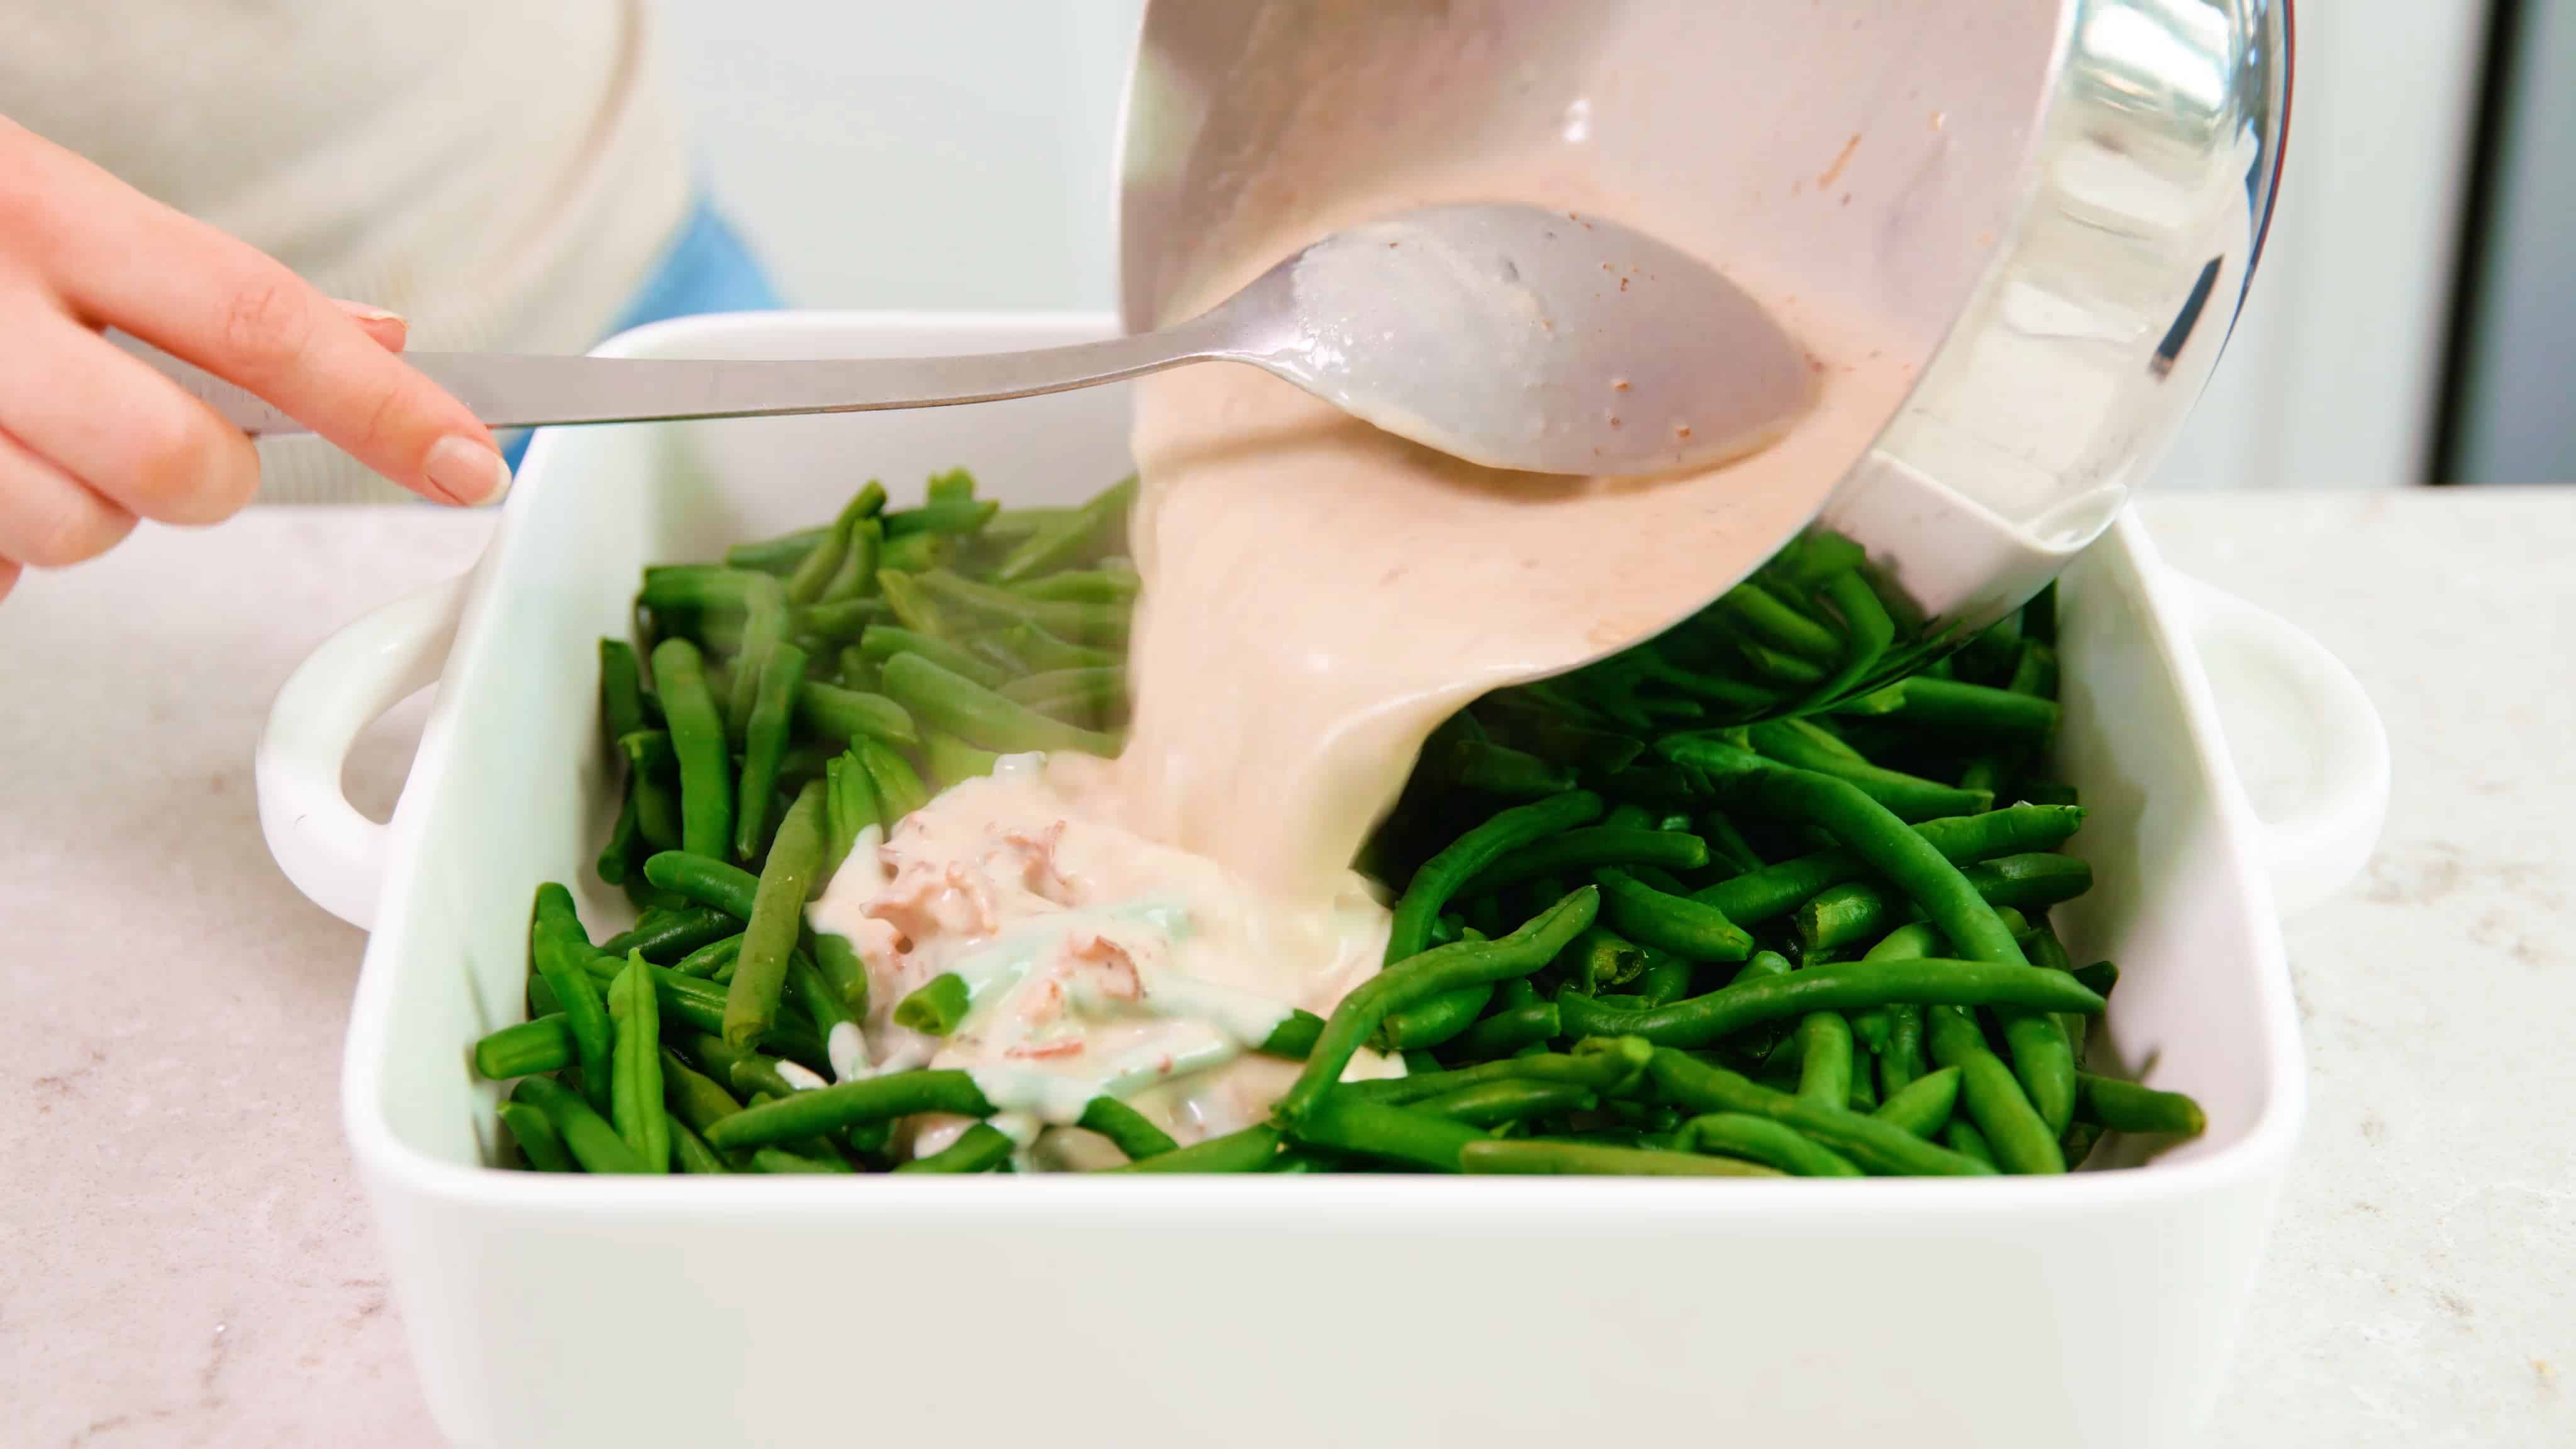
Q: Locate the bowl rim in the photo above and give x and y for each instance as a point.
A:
(1324, 1202)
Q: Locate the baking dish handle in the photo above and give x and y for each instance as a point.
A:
(332, 853)
(2303, 700)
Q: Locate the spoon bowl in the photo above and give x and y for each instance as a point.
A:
(1537, 340)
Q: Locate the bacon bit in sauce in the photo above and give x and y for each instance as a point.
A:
(1045, 1050)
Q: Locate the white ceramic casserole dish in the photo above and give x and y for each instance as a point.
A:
(2096, 1309)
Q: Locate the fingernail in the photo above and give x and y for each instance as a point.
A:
(365, 313)
(465, 470)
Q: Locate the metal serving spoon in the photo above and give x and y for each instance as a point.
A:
(1505, 335)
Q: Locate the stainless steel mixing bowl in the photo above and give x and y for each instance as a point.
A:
(2054, 205)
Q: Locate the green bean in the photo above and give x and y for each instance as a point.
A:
(773, 709)
(1991, 652)
(778, 555)
(1583, 849)
(694, 1099)
(1767, 617)
(1968, 1142)
(1027, 649)
(1440, 877)
(981, 1148)
(781, 1161)
(611, 862)
(1508, 1030)
(2099, 977)
(845, 1104)
(935, 1007)
(673, 935)
(1762, 1140)
(1824, 1058)
(1667, 922)
(2078, 1143)
(2128, 1107)
(1353, 1125)
(1496, 769)
(1084, 586)
(2012, 1128)
(1011, 525)
(848, 714)
(1097, 692)
(1868, 631)
(1872, 832)
(699, 1006)
(704, 962)
(996, 608)
(814, 572)
(1552, 1157)
(691, 1154)
(1759, 895)
(952, 759)
(839, 962)
(635, 1098)
(1923, 1104)
(540, 1146)
(558, 949)
(1445, 968)
(954, 516)
(1433, 1021)
(542, 1045)
(586, 1135)
(778, 910)
(882, 642)
(714, 884)
(952, 702)
(2026, 720)
(1127, 1129)
(1550, 736)
(857, 575)
(1872, 1145)
(1294, 1038)
(914, 553)
(1070, 539)
(1519, 1099)
(1605, 1066)
(621, 692)
(1251, 1150)
(657, 815)
(849, 806)
(1666, 979)
(698, 743)
(1856, 911)
(2043, 1061)
(823, 1004)
(1909, 797)
(2045, 950)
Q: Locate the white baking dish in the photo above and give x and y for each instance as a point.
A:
(2096, 1309)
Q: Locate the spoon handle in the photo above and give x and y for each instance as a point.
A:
(510, 391)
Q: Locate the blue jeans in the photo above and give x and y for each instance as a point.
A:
(707, 269)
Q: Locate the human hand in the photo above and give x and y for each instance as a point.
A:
(92, 438)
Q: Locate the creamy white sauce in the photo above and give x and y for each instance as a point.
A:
(1097, 963)
(1318, 596)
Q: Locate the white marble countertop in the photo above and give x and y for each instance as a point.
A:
(184, 1257)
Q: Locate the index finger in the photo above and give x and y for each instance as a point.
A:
(126, 261)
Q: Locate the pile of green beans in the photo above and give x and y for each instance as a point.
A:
(1770, 895)
(774, 707)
